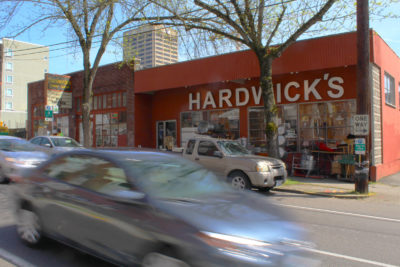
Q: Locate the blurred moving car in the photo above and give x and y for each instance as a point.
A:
(233, 161)
(57, 143)
(17, 154)
(152, 209)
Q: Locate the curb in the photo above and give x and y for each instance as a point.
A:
(296, 191)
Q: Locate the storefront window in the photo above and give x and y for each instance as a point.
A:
(287, 129)
(216, 123)
(63, 124)
(110, 127)
(327, 123)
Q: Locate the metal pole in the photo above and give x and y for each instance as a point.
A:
(363, 87)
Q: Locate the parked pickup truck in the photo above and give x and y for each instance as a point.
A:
(242, 169)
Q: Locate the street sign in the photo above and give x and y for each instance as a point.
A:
(48, 115)
(360, 124)
(359, 146)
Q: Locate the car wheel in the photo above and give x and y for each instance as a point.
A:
(239, 181)
(28, 227)
(154, 259)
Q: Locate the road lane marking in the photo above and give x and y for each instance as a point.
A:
(341, 213)
(350, 258)
(13, 259)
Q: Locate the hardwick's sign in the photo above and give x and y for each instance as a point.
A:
(360, 124)
(293, 91)
(59, 91)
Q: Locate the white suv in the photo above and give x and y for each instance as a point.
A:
(230, 159)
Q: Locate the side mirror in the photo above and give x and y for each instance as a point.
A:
(47, 145)
(218, 154)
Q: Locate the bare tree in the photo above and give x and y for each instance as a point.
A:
(268, 28)
(89, 21)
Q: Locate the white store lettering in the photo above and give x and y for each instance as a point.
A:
(340, 90)
(256, 95)
(291, 93)
(224, 96)
(246, 97)
(287, 96)
(209, 101)
(311, 89)
(194, 101)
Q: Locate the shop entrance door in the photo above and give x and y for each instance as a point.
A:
(166, 134)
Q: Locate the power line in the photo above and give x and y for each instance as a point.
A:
(131, 28)
(126, 29)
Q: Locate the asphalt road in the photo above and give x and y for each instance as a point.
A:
(346, 233)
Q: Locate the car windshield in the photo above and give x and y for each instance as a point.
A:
(65, 142)
(175, 178)
(233, 148)
(16, 145)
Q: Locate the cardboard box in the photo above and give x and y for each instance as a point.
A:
(336, 167)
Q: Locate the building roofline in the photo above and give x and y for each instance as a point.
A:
(13, 40)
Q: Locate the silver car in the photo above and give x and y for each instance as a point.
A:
(153, 209)
(57, 144)
(17, 154)
(230, 159)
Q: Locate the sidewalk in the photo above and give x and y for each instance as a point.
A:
(387, 188)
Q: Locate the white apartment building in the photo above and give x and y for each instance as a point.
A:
(20, 64)
(152, 45)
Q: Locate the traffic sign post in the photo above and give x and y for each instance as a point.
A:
(361, 173)
(360, 124)
(359, 146)
(48, 113)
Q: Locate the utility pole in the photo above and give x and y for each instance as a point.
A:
(363, 91)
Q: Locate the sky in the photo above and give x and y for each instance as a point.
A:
(63, 61)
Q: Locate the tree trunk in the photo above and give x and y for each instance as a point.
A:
(87, 103)
(270, 109)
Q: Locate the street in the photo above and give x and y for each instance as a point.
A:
(346, 233)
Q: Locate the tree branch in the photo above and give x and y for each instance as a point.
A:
(317, 17)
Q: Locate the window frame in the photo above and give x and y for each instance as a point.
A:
(9, 66)
(6, 105)
(9, 79)
(207, 154)
(80, 184)
(11, 90)
(390, 93)
(9, 52)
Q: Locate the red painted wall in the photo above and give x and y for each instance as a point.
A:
(389, 62)
(313, 54)
(168, 104)
(144, 126)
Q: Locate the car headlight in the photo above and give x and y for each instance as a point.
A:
(263, 166)
(238, 246)
(15, 161)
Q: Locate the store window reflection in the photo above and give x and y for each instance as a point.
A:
(287, 129)
(215, 123)
(325, 124)
(110, 129)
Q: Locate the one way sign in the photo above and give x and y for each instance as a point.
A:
(360, 124)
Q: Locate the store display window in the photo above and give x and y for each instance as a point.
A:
(326, 124)
(216, 123)
(287, 129)
(110, 127)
